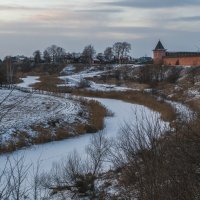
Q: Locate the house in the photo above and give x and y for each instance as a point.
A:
(145, 60)
(162, 56)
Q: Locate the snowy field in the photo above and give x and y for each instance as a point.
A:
(22, 110)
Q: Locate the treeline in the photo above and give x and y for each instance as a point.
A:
(55, 54)
(119, 52)
(54, 57)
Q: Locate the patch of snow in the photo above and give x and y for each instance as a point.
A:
(193, 93)
(74, 81)
(28, 81)
(184, 112)
(68, 69)
(107, 87)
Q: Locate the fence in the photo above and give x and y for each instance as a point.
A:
(56, 93)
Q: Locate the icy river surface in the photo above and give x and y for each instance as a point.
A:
(52, 152)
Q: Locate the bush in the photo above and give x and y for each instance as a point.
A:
(84, 83)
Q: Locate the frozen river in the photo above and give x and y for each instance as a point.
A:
(52, 152)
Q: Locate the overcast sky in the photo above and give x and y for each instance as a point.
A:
(27, 25)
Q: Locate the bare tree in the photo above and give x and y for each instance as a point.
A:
(46, 56)
(56, 53)
(36, 192)
(157, 162)
(5, 190)
(9, 69)
(88, 54)
(138, 153)
(77, 175)
(117, 48)
(18, 179)
(108, 53)
(121, 49)
(126, 47)
(37, 56)
(97, 151)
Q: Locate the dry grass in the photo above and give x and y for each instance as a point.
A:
(195, 105)
(18, 140)
(97, 112)
(48, 83)
(141, 98)
(125, 83)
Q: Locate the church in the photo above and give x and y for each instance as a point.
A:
(162, 56)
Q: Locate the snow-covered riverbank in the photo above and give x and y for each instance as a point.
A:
(22, 111)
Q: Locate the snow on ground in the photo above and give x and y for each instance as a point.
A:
(55, 151)
(75, 79)
(30, 109)
(107, 87)
(126, 65)
(194, 93)
(68, 69)
(28, 81)
(184, 112)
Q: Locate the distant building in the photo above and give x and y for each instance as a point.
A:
(144, 60)
(162, 56)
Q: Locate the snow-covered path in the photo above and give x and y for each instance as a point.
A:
(55, 151)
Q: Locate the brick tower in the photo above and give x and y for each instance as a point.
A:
(158, 53)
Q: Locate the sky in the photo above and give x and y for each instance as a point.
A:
(26, 26)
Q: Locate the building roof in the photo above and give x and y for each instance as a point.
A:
(159, 46)
(182, 54)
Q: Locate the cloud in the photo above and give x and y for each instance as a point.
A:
(153, 3)
(29, 25)
(188, 19)
(114, 10)
(18, 8)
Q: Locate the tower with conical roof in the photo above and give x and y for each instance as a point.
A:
(158, 53)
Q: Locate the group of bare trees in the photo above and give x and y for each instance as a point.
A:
(74, 175)
(77, 174)
(118, 52)
(7, 71)
(20, 181)
(88, 54)
(56, 54)
(155, 161)
(159, 163)
(121, 50)
(53, 54)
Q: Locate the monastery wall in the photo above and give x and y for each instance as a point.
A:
(185, 61)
